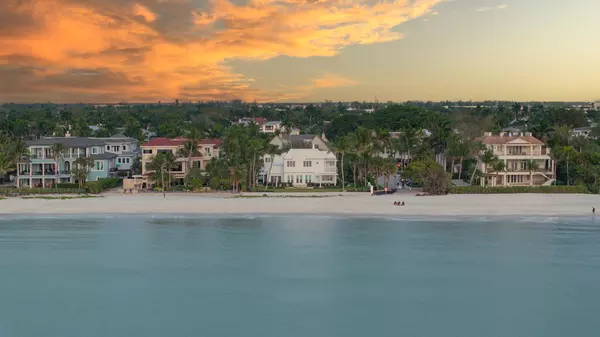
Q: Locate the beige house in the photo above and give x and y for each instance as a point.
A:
(517, 149)
(207, 149)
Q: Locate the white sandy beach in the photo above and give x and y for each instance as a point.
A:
(327, 203)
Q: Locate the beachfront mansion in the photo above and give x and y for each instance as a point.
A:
(113, 156)
(517, 149)
(305, 161)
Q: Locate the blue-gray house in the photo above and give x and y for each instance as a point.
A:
(41, 169)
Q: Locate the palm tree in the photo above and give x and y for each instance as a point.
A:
(389, 169)
(169, 160)
(189, 149)
(7, 164)
(498, 166)
(82, 169)
(271, 151)
(341, 146)
(532, 166)
(57, 152)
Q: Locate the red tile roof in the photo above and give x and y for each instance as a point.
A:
(161, 141)
(503, 140)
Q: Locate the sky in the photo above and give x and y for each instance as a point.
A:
(109, 51)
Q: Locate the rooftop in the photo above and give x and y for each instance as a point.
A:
(161, 141)
(70, 142)
(504, 138)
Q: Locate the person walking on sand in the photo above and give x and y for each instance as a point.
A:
(594, 210)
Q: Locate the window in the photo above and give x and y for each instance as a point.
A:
(207, 151)
(124, 147)
(147, 151)
(94, 150)
(107, 147)
(116, 148)
(515, 179)
(164, 151)
(290, 179)
(98, 165)
(327, 178)
(291, 163)
(330, 163)
(524, 165)
(128, 160)
(267, 159)
(119, 160)
(307, 163)
(298, 179)
(308, 179)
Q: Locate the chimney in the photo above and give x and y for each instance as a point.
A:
(323, 137)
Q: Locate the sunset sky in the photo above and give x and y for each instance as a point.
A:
(298, 50)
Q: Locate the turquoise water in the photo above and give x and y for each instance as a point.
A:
(298, 276)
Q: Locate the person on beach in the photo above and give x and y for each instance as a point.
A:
(395, 203)
(594, 210)
(402, 204)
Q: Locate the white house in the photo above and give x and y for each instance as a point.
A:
(581, 132)
(308, 162)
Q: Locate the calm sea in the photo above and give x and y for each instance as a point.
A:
(127, 276)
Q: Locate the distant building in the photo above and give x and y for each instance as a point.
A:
(126, 149)
(516, 149)
(582, 132)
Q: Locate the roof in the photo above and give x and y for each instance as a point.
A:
(309, 153)
(69, 142)
(105, 155)
(119, 139)
(271, 123)
(505, 139)
(161, 141)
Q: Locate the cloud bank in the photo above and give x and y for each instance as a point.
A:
(150, 50)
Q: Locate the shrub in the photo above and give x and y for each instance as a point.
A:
(516, 189)
(30, 191)
(67, 185)
(102, 184)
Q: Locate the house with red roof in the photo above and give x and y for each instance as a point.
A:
(527, 160)
(207, 149)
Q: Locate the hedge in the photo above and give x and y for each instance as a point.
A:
(30, 191)
(67, 185)
(102, 184)
(516, 189)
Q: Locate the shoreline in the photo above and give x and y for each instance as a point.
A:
(325, 204)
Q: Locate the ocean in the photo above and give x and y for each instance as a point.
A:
(298, 276)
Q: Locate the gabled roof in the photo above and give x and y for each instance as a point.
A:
(495, 140)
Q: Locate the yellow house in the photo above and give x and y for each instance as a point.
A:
(207, 149)
(518, 150)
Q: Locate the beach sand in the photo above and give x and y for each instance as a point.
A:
(323, 203)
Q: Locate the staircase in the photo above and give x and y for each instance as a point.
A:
(549, 182)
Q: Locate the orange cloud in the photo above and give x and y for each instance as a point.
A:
(150, 50)
(330, 80)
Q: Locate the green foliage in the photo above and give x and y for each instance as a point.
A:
(95, 187)
(430, 174)
(67, 185)
(31, 191)
(517, 189)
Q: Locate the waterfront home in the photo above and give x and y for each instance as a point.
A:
(518, 150)
(127, 151)
(41, 170)
(582, 132)
(300, 167)
(207, 149)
